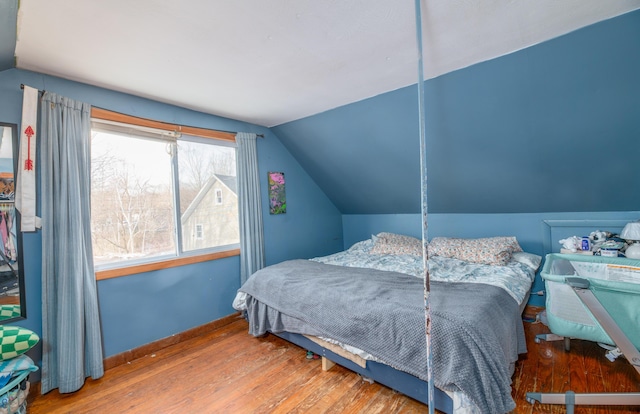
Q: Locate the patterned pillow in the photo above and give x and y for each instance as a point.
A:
(492, 250)
(15, 341)
(390, 243)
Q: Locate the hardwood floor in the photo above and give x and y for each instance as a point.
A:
(228, 371)
(547, 367)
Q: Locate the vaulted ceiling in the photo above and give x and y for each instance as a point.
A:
(270, 62)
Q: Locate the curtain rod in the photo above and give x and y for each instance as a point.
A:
(39, 91)
(257, 135)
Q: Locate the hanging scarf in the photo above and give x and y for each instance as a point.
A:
(26, 174)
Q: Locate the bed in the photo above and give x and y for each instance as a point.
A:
(367, 304)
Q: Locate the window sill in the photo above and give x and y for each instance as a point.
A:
(165, 264)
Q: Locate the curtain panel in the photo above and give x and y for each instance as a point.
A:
(72, 341)
(250, 207)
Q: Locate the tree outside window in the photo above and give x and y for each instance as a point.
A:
(144, 208)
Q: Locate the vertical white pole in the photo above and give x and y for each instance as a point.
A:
(423, 188)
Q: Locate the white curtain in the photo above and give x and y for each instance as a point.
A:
(72, 341)
(251, 231)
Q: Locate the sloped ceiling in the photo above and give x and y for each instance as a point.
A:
(270, 62)
(550, 128)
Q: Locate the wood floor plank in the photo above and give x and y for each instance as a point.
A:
(180, 369)
(229, 371)
(260, 397)
(282, 389)
(355, 400)
(582, 369)
(333, 391)
(594, 361)
(249, 398)
(561, 371)
(383, 402)
(302, 398)
(316, 402)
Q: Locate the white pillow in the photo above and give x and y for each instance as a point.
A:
(529, 259)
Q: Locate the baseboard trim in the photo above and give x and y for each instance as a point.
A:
(132, 354)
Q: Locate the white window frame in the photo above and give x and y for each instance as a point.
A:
(138, 127)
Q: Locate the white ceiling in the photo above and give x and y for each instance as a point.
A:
(273, 61)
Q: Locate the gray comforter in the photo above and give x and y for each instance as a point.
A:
(476, 329)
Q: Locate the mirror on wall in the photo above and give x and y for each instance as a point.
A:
(12, 303)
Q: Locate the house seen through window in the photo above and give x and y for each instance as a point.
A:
(157, 195)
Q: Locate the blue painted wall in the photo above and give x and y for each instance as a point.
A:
(139, 309)
(142, 308)
(541, 144)
(8, 26)
(551, 128)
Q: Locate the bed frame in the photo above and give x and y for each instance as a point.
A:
(383, 374)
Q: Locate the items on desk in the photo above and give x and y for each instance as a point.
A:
(599, 243)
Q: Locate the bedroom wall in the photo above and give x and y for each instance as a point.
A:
(551, 128)
(139, 309)
(8, 19)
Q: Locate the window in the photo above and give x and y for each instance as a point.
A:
(158, 194)
(199, 231)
